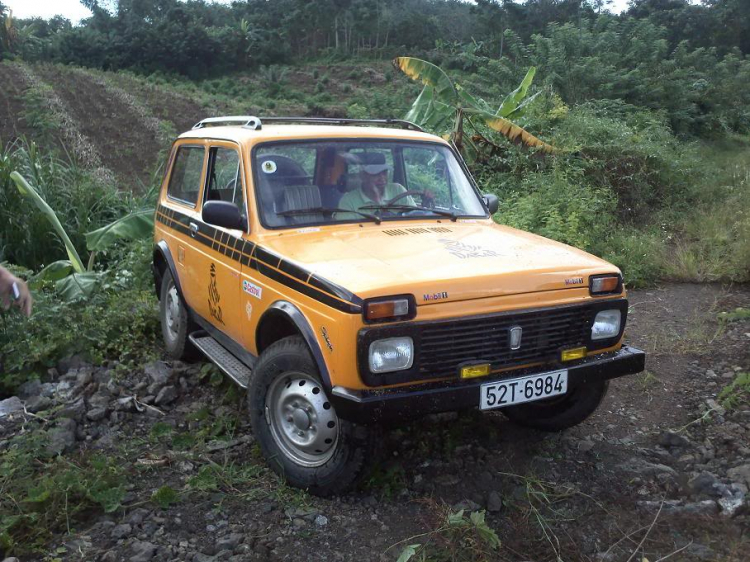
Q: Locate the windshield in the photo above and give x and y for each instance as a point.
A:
(335, 181)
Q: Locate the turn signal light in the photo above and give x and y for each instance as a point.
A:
(473, 371)
(389, 309)
(605, 284)
(571, 354)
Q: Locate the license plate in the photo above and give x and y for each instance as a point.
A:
(524, 389)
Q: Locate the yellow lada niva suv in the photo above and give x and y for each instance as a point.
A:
(348, 273)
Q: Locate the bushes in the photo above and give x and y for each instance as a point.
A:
(120, 321)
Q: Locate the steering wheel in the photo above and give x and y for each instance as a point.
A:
(427, 197)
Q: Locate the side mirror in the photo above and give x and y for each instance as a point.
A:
(223, 213)
(492, 202)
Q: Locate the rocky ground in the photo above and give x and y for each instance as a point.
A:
(661, 471)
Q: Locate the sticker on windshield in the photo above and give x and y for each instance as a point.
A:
(268, 167)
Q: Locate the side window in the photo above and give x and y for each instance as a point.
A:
(224, 178)
(185, 181)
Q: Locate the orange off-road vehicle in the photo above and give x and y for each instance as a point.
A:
(348, 273)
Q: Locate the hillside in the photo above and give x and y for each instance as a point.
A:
(122, 123)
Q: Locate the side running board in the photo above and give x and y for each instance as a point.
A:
(223, 359)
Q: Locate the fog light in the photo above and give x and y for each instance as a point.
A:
(606, 325)
(571, 354)
(392, 354)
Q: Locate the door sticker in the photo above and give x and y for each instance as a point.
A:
(252, 289)
(249, 310)
(214, 297)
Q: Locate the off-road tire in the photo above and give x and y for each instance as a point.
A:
(355, 445)
(562, 412)
(176, 340)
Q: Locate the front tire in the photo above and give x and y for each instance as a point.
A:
(561, 412)
(296, 426)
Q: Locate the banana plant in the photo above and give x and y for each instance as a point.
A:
(447, 108)
(72, 279)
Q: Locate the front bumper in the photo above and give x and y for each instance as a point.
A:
(409, 402)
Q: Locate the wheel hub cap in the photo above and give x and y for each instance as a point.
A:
(302, 420)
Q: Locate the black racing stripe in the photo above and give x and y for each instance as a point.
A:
(329, 287)
(251, 255)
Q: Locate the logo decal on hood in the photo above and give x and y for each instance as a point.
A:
(435, 296)
(463, 251)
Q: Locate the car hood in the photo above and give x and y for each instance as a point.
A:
(436, 261)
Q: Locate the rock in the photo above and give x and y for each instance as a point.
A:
(732, 502)
(137, 516)
(705, 507)
(37, 404)
(75, 410)
(740, 474)
(10, 405)
(158, 372)
(109, 556)
(230, 542)
(466, 505)
(28, 390)
(670, 440)
(121, 531)
(99, 400)
(126, 404)
(71, 363)
(585, 445)
(646, 468)
(321, 520)
(166, 395)
(142, 551)
(11, 559)
(705, 483)
(97, 414)
(494, 502)
(63, 437)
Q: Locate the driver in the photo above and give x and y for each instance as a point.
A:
(375, 188)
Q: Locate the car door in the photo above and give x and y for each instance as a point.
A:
(217, 251)
(180, 210)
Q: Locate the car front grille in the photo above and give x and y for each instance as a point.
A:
(445, 345)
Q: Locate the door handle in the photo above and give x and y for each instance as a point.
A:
(193, 229)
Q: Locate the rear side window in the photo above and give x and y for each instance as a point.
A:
(185, 181)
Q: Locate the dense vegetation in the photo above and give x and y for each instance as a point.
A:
(649, 112)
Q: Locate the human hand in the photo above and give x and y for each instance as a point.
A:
(14, 291)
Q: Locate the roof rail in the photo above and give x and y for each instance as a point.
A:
(342, 121)
(247, 121)
(255, 123)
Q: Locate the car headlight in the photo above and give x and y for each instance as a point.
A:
(392, 354)
(606, 325)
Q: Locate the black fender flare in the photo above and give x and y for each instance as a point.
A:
(305, 329)
(161, 248)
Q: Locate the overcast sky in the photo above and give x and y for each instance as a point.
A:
(74, 11)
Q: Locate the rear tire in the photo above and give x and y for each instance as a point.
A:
(296, 426)
(562, 412)
(176, 325)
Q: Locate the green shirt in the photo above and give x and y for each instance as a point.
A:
(356, 199)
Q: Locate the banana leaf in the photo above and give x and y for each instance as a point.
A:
(52, 273)
(30, 193)
(78, 286)
(513, 99)
(430, 75)
(513, 133)
(136, 225)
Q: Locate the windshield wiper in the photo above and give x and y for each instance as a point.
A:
(312, 210)
(453, 216)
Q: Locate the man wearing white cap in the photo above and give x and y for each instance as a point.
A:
(375, 188)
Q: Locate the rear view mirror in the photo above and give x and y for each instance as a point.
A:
(492, 202)
(223, 213)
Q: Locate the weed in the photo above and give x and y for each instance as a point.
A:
(736, 393)
(458, 537)
(165, 496)
(737, 315)
(388, 482)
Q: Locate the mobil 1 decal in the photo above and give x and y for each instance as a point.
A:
(214, 297)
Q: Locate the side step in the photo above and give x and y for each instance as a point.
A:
(223, 359)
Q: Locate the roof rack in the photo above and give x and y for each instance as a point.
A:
(255, 123)
(247, 121)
